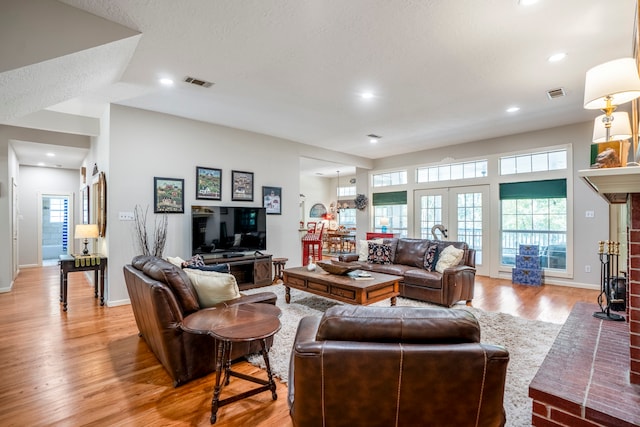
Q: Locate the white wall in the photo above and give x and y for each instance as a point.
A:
(144, 145)
(35, 181)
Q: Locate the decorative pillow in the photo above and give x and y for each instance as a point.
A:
(450, 257)
(213, 287)
(363, 249)
(379, 253)
(177, 261)
(431, 257)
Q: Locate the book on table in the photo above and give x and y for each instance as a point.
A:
(360, 275)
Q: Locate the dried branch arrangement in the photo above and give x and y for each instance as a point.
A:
(143, 241)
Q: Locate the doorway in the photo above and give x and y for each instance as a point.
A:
(464, 214)
(55, 223)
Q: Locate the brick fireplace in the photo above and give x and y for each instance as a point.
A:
(591, 375)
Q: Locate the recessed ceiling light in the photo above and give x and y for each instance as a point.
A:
(166, 81)
(51, 155)
(366, 95)
(513, 109)
(40, 163)
(373, 138)
(527, 2)
(557, 57)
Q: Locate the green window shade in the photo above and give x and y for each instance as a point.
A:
(549, 189)
(391, 198)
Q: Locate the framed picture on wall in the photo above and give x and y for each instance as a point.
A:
(272, 200)
(168, 195)
(242, 186)
(208, 183)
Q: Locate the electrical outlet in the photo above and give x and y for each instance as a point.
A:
(589, 214)
(587, 269)
(125, 216)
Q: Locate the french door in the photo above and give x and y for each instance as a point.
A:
(462, 211)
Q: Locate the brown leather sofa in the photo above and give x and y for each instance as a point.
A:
(407, 260)
(395, 366)
(161, 297)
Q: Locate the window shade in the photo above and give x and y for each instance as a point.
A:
(549, 189)
(390, 198)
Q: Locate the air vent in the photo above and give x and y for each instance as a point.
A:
(197, 82)
(556, 93)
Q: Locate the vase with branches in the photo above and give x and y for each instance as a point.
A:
(154, 244)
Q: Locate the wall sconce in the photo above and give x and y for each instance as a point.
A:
(609, 85)
(86, 232)
(384, 222)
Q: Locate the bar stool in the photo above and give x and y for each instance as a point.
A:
(278, 266)
(312, 246)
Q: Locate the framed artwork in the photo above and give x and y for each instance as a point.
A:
(168, 195)
(272, 199)
(208, 183)
(318, 210)
(242, 186)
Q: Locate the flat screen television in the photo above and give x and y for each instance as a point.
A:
(222, 229)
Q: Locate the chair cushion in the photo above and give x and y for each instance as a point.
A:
(213, 287)
(398, 324)
(164, 271)
(411, 252)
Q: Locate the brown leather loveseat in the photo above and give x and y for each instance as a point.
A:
(395, 366)
(161, 297)
(408, 260)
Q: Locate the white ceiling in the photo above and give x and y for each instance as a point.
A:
(442, 72)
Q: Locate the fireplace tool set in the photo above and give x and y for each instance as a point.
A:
(612, 287)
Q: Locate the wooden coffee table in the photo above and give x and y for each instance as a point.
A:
(342, 288)
(236, 323)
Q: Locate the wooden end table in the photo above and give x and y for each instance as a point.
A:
(70, 263)
(237, 323)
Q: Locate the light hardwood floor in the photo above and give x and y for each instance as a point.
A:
(89, 367)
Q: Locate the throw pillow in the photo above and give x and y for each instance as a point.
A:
(431, 257)
(177, 261)
(379, 253)
(213, 287)
(450, 257)
(363, 248)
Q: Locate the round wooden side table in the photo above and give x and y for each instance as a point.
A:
(237, 323)
(278, 266)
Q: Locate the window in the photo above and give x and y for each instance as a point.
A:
(390, 178)
(346, 191)
(392, 205)
(347, 217)
(535, 213)
(57, 210)
(475, 169)
(533, 162)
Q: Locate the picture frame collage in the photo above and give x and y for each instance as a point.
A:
(168, 194)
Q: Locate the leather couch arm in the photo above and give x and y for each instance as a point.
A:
(348, 257)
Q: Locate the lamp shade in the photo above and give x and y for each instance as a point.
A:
(617, 79)
(86, 231)
(620, 127)
(384, 221)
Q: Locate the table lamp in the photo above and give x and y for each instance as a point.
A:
(86, 232)
(384, 222)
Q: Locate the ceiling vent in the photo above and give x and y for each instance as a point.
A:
(197, 82)
(556, 93)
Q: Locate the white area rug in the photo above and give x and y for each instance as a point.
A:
(528, 342)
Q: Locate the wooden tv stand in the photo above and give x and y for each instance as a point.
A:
(250, 271)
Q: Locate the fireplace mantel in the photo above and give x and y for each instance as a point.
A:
(614, 184)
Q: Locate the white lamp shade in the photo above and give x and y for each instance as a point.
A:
(620, 127)
(86, 231)
(384, 221)
(617, 79)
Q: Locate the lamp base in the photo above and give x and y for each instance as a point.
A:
(85, 251)
(384, 228)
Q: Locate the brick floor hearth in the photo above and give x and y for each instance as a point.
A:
(584, 380)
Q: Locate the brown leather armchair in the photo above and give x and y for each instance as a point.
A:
(395, 366)
(161, 297)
